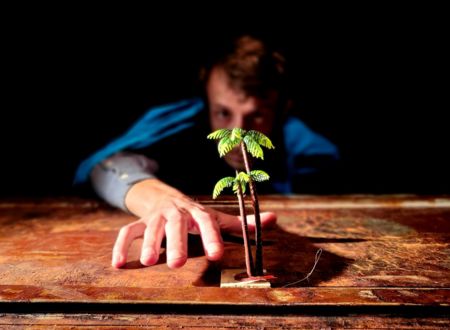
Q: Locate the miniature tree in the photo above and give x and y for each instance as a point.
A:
(239, 186)
(249, 142)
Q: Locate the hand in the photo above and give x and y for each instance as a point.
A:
(165, 211)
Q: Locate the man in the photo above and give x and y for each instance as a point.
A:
(245, 87)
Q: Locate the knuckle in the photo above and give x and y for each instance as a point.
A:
(175, 217)
(206, 217)
(125, 230)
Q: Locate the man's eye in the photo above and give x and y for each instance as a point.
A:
(223, 114)
(257, 118)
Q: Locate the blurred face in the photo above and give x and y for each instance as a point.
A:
(230, 108)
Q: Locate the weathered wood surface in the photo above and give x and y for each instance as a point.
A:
(383, 251)
(177, 321)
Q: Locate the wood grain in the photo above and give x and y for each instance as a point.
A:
(378, 252)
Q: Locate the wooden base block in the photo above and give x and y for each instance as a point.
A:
(228, 280)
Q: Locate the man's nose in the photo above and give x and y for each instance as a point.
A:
(239, 122)
(243, 122)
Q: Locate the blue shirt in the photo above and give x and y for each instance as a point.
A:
(167, 121)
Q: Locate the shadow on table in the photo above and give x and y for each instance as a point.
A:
(287, 256)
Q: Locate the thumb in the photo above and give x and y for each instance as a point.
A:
(232, 224)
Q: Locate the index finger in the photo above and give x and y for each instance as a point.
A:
(232, 224)
(210, 232)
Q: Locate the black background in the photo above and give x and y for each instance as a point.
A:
(373, 84)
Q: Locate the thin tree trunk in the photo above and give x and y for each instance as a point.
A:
(258, 232)
(248, 249)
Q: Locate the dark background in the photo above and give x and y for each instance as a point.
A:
(373, 85)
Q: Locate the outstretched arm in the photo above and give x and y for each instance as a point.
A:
(127, 181)
(165, 211)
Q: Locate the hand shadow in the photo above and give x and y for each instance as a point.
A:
(287, 256)
(194, 244)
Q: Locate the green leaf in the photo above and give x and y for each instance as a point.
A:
(236, 187)
(218, 134)
(242, 177)
(237, 134)
(261, 139)
(221, 185)
(259, 176)
(253, 147)
(226, 145)
(243, 187)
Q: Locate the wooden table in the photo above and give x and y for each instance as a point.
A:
(385, 264)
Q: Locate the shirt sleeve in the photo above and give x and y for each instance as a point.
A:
(157, 124)
(114, 176)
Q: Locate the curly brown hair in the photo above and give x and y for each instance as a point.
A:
(251, 66)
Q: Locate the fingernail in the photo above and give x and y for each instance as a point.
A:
(148, 252)
(117, 260)
(175, 256)
(213, 249)
(148, 255)
(175, 260)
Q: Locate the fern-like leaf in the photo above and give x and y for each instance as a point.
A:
(261, 139)
(226, 145)
(253, 147)
(259, 176)
(242, 177)
(236, 187)
(221, 185)
(243, 187)
(237, 134)
(218, 134)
